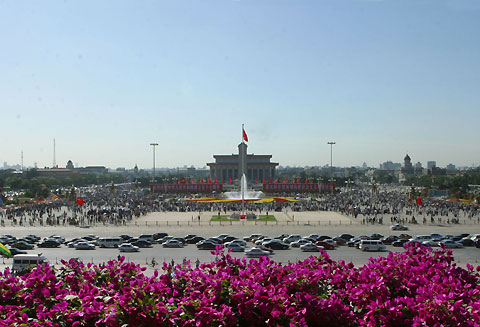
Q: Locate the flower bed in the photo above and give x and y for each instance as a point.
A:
(418, 287)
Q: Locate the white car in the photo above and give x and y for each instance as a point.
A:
(173, 244)
(431, 243)
(310, 247)
(399, 227)
(235, 247)
(256, 253)
(84, 246)
(127, 247)
(299, 243)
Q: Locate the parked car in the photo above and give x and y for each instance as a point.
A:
(376, 236)
(256, 253)
(84, 246)
(292, 238)
(399, 227)
(389, 239)
(235, 247)
(346, 237)
(194, 239)
(371, 245)
(431, 243)
(252, 237)
(300, 242)
(15, 251)
(450, 244)
(325, 245)
(206, 245)
(173, 244)
(48, 244)
(239, 242)
(127, 247)
(22, 245)
(281, 236)
(276, 245)
(160, 235)
(400, 242)
(142, 244)
(310, 247)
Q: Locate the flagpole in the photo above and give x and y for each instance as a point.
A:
(242, 132)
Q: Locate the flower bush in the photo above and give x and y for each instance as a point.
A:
(417, 287)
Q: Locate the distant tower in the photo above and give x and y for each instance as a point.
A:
(135, 170)
(54, 155)
(70, 164)
(407, 165)
(21, 155)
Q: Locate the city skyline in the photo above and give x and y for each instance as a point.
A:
(105, 79)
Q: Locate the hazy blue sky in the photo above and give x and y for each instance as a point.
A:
(106, 78)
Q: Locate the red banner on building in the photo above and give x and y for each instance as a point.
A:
(186, 187)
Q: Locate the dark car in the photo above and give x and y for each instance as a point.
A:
(281, 236)
(15, 251)
(206, 245)
(158, 236)
(194, 240)
(325, 245)
(400, 242)
(276, 245)
(346, 237)
(389, 239)
(323, 237)
(142, 244)
(467, 241)
(376, 236)
(125, 237)
(22, 245)
(49, 244)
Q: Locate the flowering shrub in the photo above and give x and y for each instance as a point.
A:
(417, 287)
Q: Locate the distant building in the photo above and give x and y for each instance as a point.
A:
(418, 168)
(388, 165)
(431, 164)
(451, 167)
(70, 164)
(407, 168)
(256, 167)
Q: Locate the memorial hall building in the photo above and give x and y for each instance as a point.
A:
(257, 167)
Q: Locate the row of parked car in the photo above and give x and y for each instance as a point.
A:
(310, 243)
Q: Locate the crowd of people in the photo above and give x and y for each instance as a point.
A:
(122, 204)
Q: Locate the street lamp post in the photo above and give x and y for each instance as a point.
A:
(331, 161)
(153, 145)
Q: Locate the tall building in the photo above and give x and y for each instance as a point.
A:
(254, 166)
(407, 168)
(431, 164)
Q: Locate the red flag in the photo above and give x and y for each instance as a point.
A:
(80, 201)
(223, 182)
(306, 180)
(201, 180)
(298, 180)
(285, 180)
(264, 181)
(275, 181)
(216, 181)
(185, 181)
(245, 137)
(179, 181)
(256, 180)
(193, 181)
(209, 181)
(419, 201)
(230, 181)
